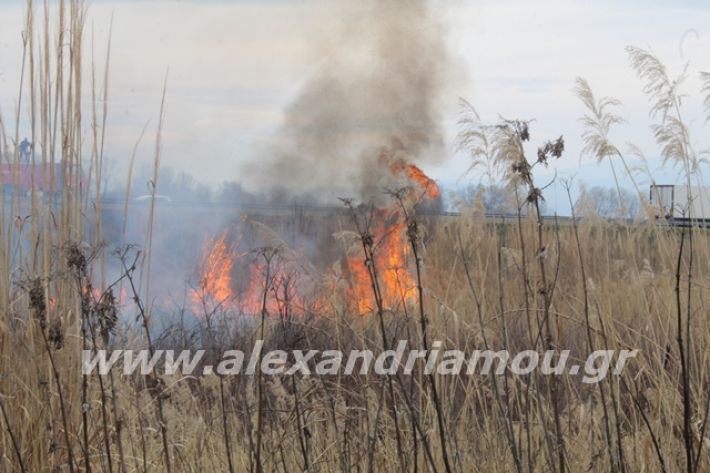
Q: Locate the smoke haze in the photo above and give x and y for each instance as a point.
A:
(374, 97)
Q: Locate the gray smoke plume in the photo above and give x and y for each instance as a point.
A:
(373, 100)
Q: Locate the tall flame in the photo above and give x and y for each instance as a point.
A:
(219, 288)
(424, 181)
(392, 253)
(216, 273)
(392, 266)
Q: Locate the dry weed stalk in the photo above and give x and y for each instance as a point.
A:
(499, 282)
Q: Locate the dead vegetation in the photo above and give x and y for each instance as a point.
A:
(525, 285)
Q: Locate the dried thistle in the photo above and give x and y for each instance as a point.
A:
(523, 130)
(106, 314)
(508, 139)
(86, 303)
(412, 230)
(76, 260)
(156, 387)
(367, 239)
(550, 149)
(535, 195)
(38, 304)
(56, 334)
(522, 169)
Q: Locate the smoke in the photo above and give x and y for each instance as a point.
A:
(373, 100)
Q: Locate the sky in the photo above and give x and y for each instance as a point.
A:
(234, 66)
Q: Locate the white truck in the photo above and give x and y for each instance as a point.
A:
(681, 205)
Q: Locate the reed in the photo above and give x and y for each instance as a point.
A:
(527, 285)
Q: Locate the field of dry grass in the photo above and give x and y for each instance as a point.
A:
(518, 285)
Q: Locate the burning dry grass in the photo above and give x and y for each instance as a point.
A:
(334, 423)
(469, 282)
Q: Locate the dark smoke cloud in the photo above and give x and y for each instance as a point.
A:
(375, 97)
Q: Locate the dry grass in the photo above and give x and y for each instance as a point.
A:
(520, 285)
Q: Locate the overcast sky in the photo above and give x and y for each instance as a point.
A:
(235, 65)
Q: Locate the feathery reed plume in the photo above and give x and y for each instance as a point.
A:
(475, 139)
(597, 125)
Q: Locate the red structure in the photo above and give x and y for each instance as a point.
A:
(25, 177)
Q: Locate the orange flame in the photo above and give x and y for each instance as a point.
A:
(218, 287)
(415, 174)
(392, 253)
(282, 296)
(392, 269)
(216, 275)
(392, 266)
(426, 183)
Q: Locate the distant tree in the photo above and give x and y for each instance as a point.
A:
(496, 199)
(232, 192)
(607, 202)
(179, 187)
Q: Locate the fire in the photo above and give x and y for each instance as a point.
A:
(216, 274)
(392, 267)
(417, 176)
(282, 298)
(424, 181)
(237, 284)
(218, 287)
(392, 252)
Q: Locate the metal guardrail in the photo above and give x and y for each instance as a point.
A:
(117, 205)
(299, 209)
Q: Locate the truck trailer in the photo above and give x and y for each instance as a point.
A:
(681, 205)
